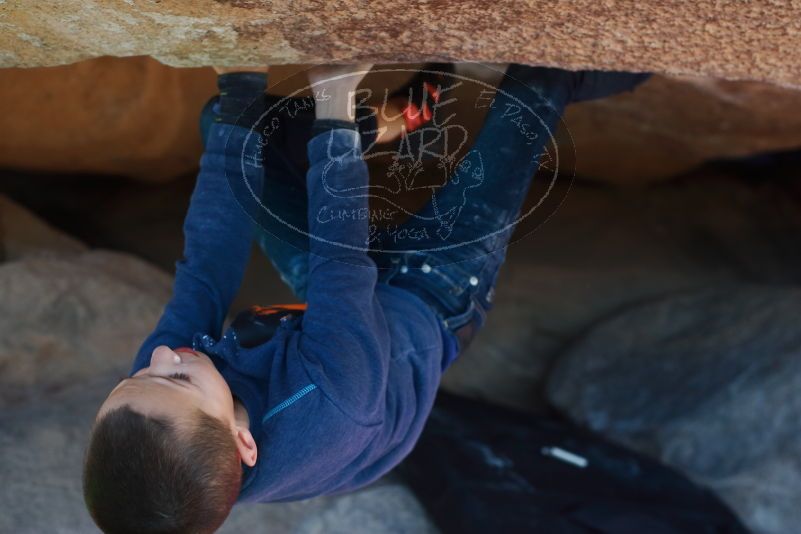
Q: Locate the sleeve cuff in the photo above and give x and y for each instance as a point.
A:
(325, 125)
(334, 144)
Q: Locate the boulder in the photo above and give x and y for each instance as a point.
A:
(706, 381)
(69, 314)
(138, 118)
(129, 117)
(670, 125)
(734, 40)
(24, 234)
(67, 318)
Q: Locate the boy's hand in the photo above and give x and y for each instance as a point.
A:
(337, 84)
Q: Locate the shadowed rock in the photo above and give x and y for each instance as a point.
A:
(734, 40)
(707, 381)
(138, 118)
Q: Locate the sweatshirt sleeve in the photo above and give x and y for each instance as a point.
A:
(217, 240)
(344, 340)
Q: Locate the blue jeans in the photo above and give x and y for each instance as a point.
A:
(486, 191)
(465, 228)
(284, 193)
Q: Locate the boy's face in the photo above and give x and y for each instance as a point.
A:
(175, 383)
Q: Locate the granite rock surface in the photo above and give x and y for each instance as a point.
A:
(137, 118)
(724, 39)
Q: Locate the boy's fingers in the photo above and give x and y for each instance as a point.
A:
(228, 70)
(320, 73)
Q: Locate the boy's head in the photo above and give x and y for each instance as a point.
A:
(166, 449)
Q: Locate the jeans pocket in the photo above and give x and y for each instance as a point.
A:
(454, 322)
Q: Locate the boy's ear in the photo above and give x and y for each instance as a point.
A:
(246, 446)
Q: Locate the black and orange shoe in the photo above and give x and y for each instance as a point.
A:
(422, 92)
(416, 101)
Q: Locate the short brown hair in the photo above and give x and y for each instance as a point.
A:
(138, 479)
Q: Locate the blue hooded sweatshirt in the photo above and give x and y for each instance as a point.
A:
(340, 394)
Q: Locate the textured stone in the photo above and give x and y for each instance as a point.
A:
(68, 313)
(136, 117)
(132, 117)
(727, 39)
(24, 234)
(706, 381)
(66, 316)
(669, 125)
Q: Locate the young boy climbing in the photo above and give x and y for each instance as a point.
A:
(333, 395)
